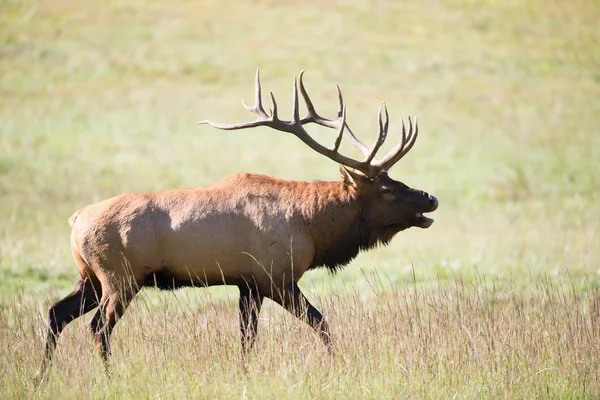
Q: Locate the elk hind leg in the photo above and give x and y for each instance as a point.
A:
(112, 307)
(250, 303)
(81, 300)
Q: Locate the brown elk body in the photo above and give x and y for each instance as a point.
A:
(254, 231)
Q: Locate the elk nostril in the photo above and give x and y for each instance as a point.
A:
(433, 200)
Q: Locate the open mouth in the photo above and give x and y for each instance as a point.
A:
(422, 221)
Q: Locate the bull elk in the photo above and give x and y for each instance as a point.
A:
(256, 232)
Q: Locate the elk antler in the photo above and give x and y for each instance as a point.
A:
(370, 166)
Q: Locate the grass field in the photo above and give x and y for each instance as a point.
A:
(499, 298)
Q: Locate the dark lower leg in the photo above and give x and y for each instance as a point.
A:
(294, 301)
(104, 321)
(80, 301)
(249, 304)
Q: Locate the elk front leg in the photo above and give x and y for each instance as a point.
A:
(293, 300)
(250, 303)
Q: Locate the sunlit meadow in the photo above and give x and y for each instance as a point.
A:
(499, 298)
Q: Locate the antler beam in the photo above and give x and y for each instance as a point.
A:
(370, 166)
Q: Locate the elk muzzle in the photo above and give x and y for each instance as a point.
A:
(422, 221)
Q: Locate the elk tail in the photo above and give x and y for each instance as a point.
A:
(73, 217)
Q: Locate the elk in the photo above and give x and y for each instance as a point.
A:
(257, 232)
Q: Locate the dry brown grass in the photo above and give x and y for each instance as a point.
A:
(468, 341)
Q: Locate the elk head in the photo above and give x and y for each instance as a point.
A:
(388, 206)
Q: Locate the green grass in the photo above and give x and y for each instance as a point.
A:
(101, 99)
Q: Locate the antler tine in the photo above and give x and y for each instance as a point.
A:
(341, 104)
(257, 108)
(314, 117)
(309, 105)
(412, 138)
(368, 151)
(349, 134)
(370, 166)
(338, 140)
(408, 141)
(295, 106)
(274, 110)
(383, 130)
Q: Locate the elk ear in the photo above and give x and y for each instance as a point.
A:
(352, 178)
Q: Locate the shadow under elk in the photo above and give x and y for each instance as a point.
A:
(257, 232)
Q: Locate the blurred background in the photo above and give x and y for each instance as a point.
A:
(102, 98)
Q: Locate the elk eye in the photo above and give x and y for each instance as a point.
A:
(387, 190)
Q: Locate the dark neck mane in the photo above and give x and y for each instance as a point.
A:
(339, 229)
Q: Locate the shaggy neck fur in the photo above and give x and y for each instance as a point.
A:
(338, 226)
